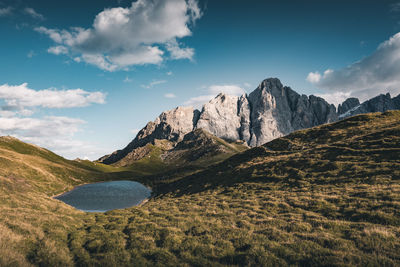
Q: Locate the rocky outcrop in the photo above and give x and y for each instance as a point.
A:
(270, 111)
(277, 110)
(348, 104)
(171, 125)
(220, 117)
(380, 103)
(200, 145)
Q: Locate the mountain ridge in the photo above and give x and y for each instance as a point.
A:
(270, 111)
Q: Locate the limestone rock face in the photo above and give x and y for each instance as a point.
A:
(380, 103)
(277, 110)
(244, 112)
(270, 113)
(348, 104)
(171, 125)
(220, 117)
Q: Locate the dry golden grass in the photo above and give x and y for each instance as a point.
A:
(324, 196)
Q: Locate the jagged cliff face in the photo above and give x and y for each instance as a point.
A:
(270, 111)
(277, 110)
(221, 117)
(380, 103)
(171, 125)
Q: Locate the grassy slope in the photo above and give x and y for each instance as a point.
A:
(325, 196)
(31, 222)
(212, 150)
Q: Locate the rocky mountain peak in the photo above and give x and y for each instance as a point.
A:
(270, 111)
(348, 104)
(220, 117)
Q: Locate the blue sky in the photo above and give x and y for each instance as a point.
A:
(81, 77)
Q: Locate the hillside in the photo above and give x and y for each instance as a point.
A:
(324, 196)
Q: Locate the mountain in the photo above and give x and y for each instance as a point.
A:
(380, 103)
(197, 148)
(270, 111)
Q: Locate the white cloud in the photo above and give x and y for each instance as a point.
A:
(56, 133)
(212, 91)
(247, 85)
(335, 98)
(178, 52)
(31, 12)
(6, 11)
(99, 61)
(314, 77)
(170, 95)
(368, 77)
(153, 83)
(22, 96)
(46, 127)
(169, 73)
(136, 35)
(51, 132)
(58, 50)
(227, 89)
(198, 101)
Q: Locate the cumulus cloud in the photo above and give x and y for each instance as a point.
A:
(52, 132)
(58, 50)
(212, 91)
(22, 96)
(31, 12)
(178, 52)
(366, 78)
(33, 127)
(227, 89)
(169, 95)
(144, 33)
(6, 11)
(335, 98)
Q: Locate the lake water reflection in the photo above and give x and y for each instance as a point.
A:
(102, 197)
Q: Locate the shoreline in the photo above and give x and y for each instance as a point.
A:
(141, 203)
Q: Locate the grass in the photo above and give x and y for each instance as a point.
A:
(323, 196)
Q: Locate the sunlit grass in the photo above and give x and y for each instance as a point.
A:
(324, 196)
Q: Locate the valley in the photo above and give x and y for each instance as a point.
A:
(322, 196)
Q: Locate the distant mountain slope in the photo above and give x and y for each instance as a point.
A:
(197, 148)
(380, 103)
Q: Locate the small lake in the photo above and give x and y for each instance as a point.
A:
(105, 196)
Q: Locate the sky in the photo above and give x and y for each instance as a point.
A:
(82, 77)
